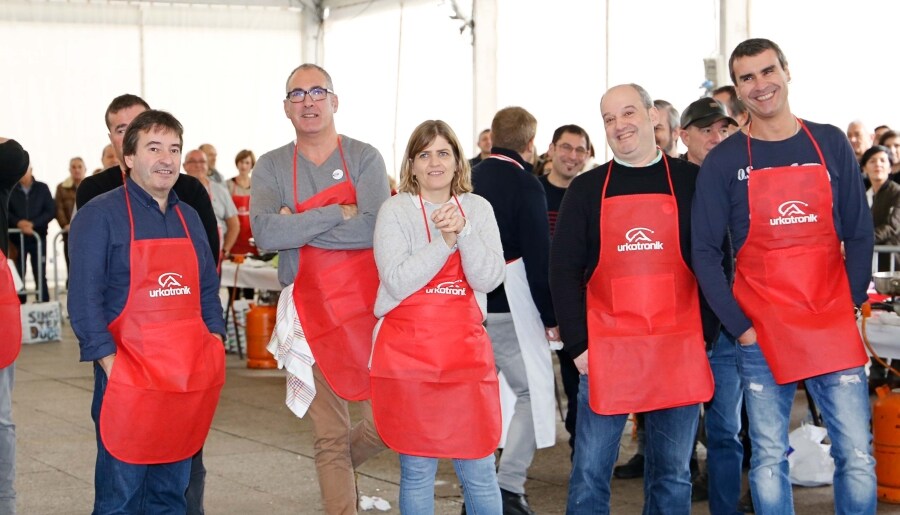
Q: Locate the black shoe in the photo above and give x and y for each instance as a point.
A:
(745, 504)
(515, 504)
(700, 488)
(631, 470)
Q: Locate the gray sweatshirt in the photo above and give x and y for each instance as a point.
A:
(407, 262)
(323, 227)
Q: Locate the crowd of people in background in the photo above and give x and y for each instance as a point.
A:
(627, 269)
(32, 208)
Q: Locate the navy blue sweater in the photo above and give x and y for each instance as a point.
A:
(720, 204)
(520, 206)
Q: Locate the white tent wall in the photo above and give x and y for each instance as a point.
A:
(395, 68)
(221, 68)
(221, 71)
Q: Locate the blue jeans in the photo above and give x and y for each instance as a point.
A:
(7, 442)
(667, 477)
(842, 398)
(477, 477)
(125, 488)
(725, 452)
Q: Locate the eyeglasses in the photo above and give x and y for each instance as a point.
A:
(195, 162)
(317, 93)
(565, 148)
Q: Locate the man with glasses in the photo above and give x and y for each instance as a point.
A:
(569, 150)
(314, 200)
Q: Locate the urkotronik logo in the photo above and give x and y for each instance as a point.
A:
(447, 288)
(794, 212)
(169, 285)
(639, 238)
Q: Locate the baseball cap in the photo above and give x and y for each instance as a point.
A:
(704, 112)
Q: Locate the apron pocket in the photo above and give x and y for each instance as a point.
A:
(797, 276)
(175, 356)
(645, 302)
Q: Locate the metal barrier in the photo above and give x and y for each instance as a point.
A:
(56, 240)
(39, 273)
(885, 249)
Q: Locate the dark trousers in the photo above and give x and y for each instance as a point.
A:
(570, 379)
(28, 248)
(121, 487)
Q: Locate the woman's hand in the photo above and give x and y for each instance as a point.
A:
(449, 221)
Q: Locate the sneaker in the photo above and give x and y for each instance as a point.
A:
(631, 470)
(515, 504)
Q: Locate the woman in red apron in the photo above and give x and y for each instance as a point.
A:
(434, 385)
(239, 188)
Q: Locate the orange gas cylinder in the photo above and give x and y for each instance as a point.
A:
(260, 324)
(886, 435)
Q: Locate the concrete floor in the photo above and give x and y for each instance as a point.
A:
(259, 456)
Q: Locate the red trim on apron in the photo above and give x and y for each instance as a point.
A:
(645, 338)
(11, 314)
(334, 294)
(169, 369)
(790, 278)
(435, 391)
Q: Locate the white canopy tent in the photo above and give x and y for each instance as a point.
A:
(220, 65)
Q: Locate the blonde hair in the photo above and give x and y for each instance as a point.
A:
(423, 136)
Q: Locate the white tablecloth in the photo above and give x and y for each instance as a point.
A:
(884, 337)
(263, 277)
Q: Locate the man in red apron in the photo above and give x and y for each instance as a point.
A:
(520, 319)
(790, 193)
(144, 305)
(13, 164)
(119, 114)
(314, 200)
(623, 238)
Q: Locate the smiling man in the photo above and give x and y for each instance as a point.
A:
(144, 301)
(569, 150)
(629, 310)
(789, 192)
(314, 200)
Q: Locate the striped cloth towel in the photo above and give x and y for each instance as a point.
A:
(291, 350)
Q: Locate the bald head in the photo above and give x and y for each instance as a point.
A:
(196, 164)
(860, 138)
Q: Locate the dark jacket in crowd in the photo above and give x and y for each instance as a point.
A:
(36, 206)
(13, 165)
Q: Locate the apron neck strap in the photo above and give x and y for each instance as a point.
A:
(343, 164)
(425, 217)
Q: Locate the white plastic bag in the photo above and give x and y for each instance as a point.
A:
(810, 460)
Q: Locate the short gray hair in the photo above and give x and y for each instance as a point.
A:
(309, 66)
(669, 109)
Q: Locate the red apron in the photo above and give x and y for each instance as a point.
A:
(242, 244)
(10, 314)
(334, 293)
(790, 278)
(434, 385)
(643, 310)
(169, 370)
